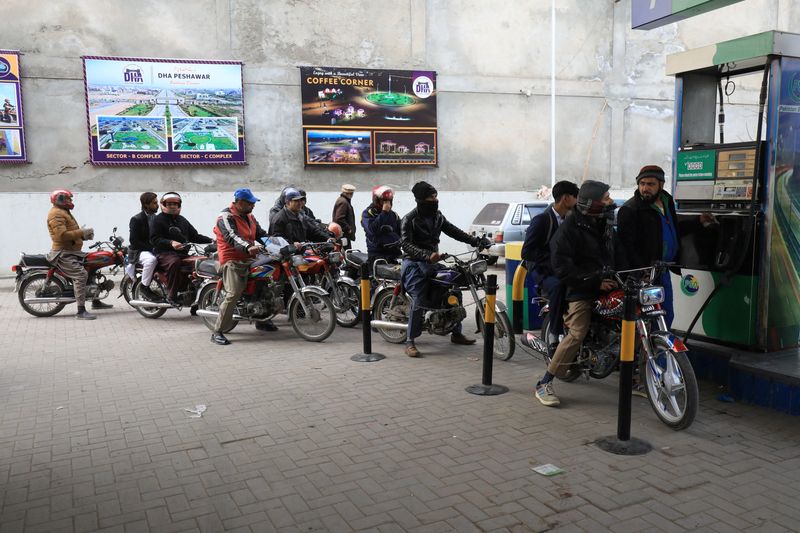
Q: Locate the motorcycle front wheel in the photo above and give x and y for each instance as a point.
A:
(348, 310)
(316, 325)
(398, 312)
(33, 286)
(209, 299)
(504, 344)
(671, 385)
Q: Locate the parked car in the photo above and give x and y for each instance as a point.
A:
(505, 222)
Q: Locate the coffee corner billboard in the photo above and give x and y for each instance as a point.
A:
(12, 127)
(362, 117)
(145, 111)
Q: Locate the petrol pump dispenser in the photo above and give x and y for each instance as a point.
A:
(739, 284)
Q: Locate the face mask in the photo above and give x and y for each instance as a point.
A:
(427, 209)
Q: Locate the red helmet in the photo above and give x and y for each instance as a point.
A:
(382, 193)
(61, 198)
(336, 229)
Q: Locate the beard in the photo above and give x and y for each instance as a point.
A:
(649, 198)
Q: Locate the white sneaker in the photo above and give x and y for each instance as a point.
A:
(544, 393)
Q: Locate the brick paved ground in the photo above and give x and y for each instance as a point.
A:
(297, 437)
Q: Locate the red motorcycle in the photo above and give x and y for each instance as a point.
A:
(44, 290)
(322, 264)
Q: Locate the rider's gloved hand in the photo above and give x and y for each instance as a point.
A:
(484, 243)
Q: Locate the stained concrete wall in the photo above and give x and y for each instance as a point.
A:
(613, 113)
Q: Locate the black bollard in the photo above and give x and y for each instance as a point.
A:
(366, 318)
(485, 388)
(623, 443)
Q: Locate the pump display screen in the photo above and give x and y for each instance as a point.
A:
(721, 173)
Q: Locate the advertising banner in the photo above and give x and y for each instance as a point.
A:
(143, 111)
(357, 117)
(12, 128)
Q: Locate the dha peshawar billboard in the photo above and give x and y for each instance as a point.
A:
(12, 129)
(145, 111)
(362, 117)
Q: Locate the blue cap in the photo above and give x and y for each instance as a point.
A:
(293, 194)
(245, 194)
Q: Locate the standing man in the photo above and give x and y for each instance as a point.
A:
(140, 249)
(536, 252)
(580, 249)
(382, 227)
(344, 215)
(238, 234)
(648, 228)
(420, 230)
(169, 251)
(290, 223)
(65, 253)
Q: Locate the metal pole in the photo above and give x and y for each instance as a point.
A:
(366, 318)
(486, 388)
(553, 93)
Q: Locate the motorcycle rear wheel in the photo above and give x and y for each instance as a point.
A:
(126, 288)
(399, 313)
(150, 312)
(574, 371)
(31, 286)
(671, 385)
(210, 300)
(504, 344)
(320, 325)
(348, 312)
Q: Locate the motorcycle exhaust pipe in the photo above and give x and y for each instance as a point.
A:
(388, 325)
(214, 314)
(50, 300)
(145, 303)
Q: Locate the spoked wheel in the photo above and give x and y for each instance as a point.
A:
(346, 302)
(320, 321)
(36, 286)
(126, 288)
(156, 288)
(209, 299)
(397, 311)
(504, 344)
(671, 385)
(574, 371)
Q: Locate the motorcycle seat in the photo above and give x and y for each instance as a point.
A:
(35, 260)
(208, 266)
(357, 258)
(390, 272)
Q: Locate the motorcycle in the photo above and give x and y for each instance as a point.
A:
(443, 307)
(663, 365)
(43, 290)
(322, 268)
(310, 309)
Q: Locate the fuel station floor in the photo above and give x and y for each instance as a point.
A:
(95, 435)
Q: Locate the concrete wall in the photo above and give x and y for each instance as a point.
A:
(614, 105)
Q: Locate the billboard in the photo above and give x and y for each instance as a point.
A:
(12, 127)
(357, 117)
(144, 111)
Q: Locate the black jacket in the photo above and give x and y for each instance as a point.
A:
(420, 236)
(639, 231)
(578, 252)
(296, 227)
(383, 231)
(140, 232)
(344, 215)
(536, 248)
(161, 239)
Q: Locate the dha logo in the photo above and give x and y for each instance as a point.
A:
(423, 86)
(794, 88)
(5, 68)
(133, 74)
(690, 285)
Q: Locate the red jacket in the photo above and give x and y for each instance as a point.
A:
(235, 234)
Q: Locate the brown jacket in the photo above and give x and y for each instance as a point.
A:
(64, 230)
(344, 215)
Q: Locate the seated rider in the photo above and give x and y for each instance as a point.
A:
(382, 227)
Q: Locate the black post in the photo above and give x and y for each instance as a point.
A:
(366, 319)
(486, 388)
(623, 444)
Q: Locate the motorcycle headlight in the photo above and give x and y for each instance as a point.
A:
(651, 295)
(478, 267)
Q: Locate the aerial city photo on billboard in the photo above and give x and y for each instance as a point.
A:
(368, 116)
(164, 111)
(12, 133)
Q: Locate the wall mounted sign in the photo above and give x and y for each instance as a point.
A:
(12, 127)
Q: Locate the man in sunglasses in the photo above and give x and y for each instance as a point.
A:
(168, 249)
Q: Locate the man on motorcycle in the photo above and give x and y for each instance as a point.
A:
(169, 251)
(280, 203)
(238, 234)
(536, 252)
(140, 249)
(420, 230)
(580, 249)
(65, 253)
(292, 225)
(382, 227)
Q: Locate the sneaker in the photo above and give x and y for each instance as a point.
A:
(412, 351)
(84, 315)
(544, 393)
(219, 338)
(460, 338)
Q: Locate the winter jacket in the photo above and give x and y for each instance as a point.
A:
(140, 232)
(420, 235)
(64, 230)
(536, 248)
(296, 228)
(382, 230)
(161, 239)
(235, 234)
(579, 250)
(344, 215)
